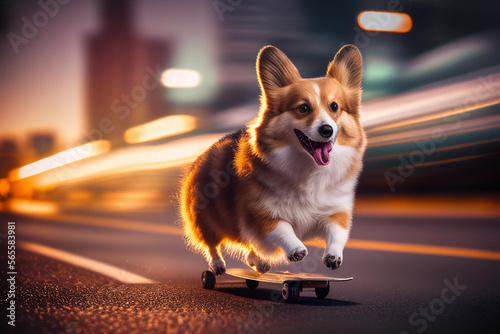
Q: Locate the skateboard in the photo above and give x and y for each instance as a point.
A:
(291, 283)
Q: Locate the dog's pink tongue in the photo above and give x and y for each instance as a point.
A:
(320, 152)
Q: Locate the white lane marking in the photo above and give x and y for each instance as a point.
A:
(113, 272)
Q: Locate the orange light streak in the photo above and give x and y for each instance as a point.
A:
(416, 249)
(60, 159)
(160, 128)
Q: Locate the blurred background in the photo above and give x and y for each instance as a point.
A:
(104, 102)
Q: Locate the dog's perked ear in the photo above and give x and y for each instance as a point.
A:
(275, 70)
(347, 68)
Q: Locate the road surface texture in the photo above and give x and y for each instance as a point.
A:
(397, 287)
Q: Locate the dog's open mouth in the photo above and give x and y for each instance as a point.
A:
(318, 150)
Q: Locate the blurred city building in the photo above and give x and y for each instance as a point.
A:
(42, 144)
(9, 156)
(123, 73)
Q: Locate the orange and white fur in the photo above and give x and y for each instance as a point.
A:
(289, 176)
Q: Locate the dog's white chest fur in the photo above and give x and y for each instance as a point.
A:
(305, 194)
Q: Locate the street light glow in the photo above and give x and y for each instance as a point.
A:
(160, 128)
(385, 21)
(180, 78)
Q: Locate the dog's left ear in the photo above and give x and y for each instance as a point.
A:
(275, 70)
(347, 68)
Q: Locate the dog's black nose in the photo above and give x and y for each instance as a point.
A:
(325, 131)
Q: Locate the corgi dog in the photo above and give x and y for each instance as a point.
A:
(288, 177)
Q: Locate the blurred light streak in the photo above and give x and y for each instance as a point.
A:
(129, 200)
(427, 102)
(439, 131)
(439, 149)
(79, 196)
(454, 53)
(446, 161)
(120, 224)
(119, 274)
(428, 205)
(32, 206)
(234, 118)
(415, 249)
(180, 78)
(160, 128)
(385, 21)
(129, 159)
(60, 159)
(435, 116)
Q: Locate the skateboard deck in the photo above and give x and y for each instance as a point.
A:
(292, 283)
(282, 276)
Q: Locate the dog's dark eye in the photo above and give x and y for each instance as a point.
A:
(304, 108)
(334, 106)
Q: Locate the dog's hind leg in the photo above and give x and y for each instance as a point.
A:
(256, 262)
(217, 264)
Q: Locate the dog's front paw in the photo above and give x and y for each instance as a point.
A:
(332, 261)
(297, 255)
(218, 267)
(263, 267)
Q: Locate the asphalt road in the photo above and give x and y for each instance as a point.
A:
(392, 291)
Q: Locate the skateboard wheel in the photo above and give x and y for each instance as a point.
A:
(252, 284)
(208, 280)
(321, 293)
(290, 291)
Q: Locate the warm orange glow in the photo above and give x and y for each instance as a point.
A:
(32, 206)
(180, 78)
(160, 128)
(129, 200)
(236, 249)
(428, 206)
(415, 249)
(60, 159)
(4, 187)
(385, 21)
